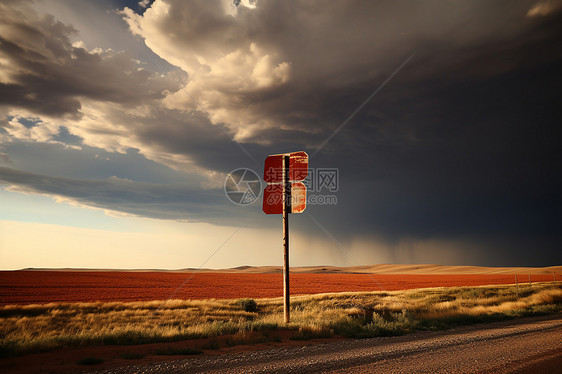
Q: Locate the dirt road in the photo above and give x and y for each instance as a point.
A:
(529, 345)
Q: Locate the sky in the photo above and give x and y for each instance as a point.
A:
(433, 131)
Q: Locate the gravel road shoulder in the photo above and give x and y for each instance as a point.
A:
(529, 344)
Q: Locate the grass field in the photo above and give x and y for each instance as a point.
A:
(43, 327)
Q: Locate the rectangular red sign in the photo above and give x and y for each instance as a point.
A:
(298, 167)
(273, 198)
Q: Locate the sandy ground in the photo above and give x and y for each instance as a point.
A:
(66, 360)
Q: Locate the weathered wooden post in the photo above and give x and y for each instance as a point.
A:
(286, 210)
(285, 194)
(516, 285)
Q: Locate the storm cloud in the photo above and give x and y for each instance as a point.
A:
(124, 196)
(461, 145)
(282, 70)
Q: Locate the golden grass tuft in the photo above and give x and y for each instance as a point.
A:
(33, 328)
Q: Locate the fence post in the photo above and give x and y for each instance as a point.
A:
(516, 285)
(530, 284)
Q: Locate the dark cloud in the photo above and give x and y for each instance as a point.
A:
(464, 143)
(43, 72)
(483, 148)
(162, 201)
(335, 54)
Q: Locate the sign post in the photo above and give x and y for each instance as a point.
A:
(285, 194)
(286, 210)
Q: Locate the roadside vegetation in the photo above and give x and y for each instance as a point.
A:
(36, 328)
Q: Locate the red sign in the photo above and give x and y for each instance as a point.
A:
(273, 198)
(298, 167)
(273, 175)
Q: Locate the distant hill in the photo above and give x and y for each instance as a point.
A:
(401, 269)
(375, 269)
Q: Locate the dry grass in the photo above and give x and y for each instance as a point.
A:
(33, 328)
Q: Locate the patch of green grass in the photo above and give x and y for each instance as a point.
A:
(90, 361)
(382, 324)
(249, 305)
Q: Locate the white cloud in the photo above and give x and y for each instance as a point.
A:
(225, 66)
(21, 125)
(544, 8)
(103, 97)
(144, 3)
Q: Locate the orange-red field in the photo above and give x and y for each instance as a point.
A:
(28, 287)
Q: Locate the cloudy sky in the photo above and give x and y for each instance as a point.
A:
(120, 121)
